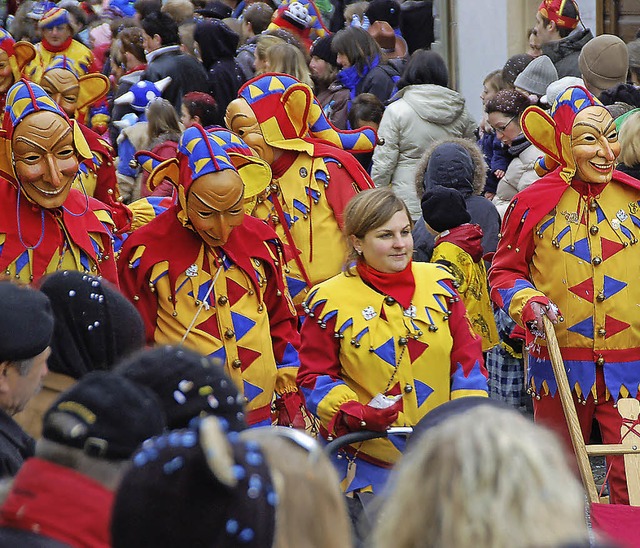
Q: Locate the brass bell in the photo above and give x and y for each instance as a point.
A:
(402, 341)
(602, 332)
(236, 364)
(222, 300)
(389, 300)
(408, 388)
(600, 361)
(596, 261)
(594, 230)
(600, 297)
(593, 205)
(229, 333)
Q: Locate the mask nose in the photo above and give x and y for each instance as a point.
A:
(52, 176)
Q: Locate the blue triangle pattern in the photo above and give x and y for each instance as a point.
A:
(202, 291)
(423, 391)
(612, 286)
(600, 216)
(580, 250)
(387, 352)
(84, 261)
(295, 286)
(584, 328)
(22, 261)
(220, 354)
(399, 442)
(251, 391)
(241, 324)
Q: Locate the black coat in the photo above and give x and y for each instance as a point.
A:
(15, 446)
(187, 74)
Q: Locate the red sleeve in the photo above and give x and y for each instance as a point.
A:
(344, 185)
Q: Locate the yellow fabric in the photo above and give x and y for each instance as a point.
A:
(79, 53)
(213, 332)
(472, 286)
(317, 236)
(364, 372)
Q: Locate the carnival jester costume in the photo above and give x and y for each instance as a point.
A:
(14, 57)
(203, 274)
(45, 224)
(570, 240)
(314, 176)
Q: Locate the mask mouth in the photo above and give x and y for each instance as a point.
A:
(605, 168)
(50, 192)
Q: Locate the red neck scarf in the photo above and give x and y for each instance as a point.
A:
(57, 49)
(399, 285)
(59, 503)
(137, 67)
(280, 166)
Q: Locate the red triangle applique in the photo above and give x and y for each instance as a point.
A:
(584, 290)
(610, 248)
(416, 348)
(613, 326)
(247, 356)
(383, 314)
(210, 326)
(395, 390)
(234, 291)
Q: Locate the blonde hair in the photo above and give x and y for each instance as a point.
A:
(484, 478)
(494, 81)
(288, 59)
(630, 140)
(162, 120)
(365, 212)
(311, 508)
(264, 42)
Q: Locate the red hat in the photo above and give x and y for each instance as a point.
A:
(552, 10)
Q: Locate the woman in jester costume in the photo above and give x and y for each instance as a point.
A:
(569, 250)
(384, 342)
(314, 176)
(205, 275)
(46, 225)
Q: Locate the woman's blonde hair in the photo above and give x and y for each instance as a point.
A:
(484, 478)
(629, 138)
(163, 120)
(288, 59)
(311, 508)
(366, 211)
(264, 42)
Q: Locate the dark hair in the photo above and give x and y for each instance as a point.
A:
(366, 107)
(425, 67)
(258, 15)
(509, 102)
(164, 26)
(132, 41)
(147, 7)
(384, 10)
(358, 45)
(204, 107)
(570, 9)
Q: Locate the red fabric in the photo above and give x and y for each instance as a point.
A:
(618, 523)
(284, 162)
(57, 49)
(399, 285)
(467, 236)
(77, 229)
(58, 503)
(548, 411)
(353, 414)
(163, 151)
(289, 410)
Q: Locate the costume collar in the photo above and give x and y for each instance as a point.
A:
(399, 285)
(467, 236)
(57, 49)
(286, 160)
(161, 51)
(59, 503)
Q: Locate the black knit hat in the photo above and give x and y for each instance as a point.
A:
(444, 208)
(450, 165)
(26, 322)
(95, 325)
(384, 10)
(187, 384)
(105, 415)
(196, 488)
(514, 66)
(321, 48)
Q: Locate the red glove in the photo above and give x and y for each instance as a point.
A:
(354, 416)
(289, 408)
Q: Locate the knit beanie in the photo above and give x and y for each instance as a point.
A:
(634, 53)
(444, 208)
(26, 322)
(95, 325)
(514, 66)
(188, 385)
(321, 48)
(450, 165)
(604, 62)
(384, 10)
(536, 76)
(556, 87)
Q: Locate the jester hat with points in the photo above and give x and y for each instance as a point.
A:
(291, 118)
(24, 98)
(551, 132)
(201, 152)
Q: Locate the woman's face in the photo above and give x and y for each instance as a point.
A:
(507, 127)
(487, 94)
(389, 247)
(343, 60)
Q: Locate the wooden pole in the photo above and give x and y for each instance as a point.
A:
(570, 413)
